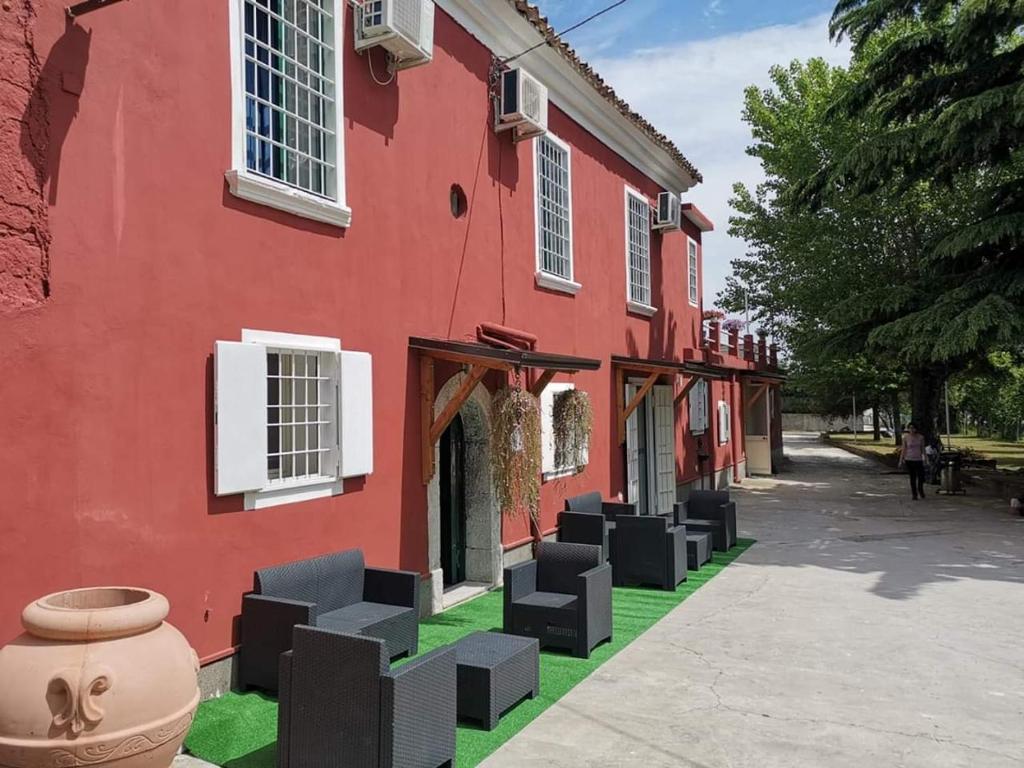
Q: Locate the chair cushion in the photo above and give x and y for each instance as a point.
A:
(547, 600)
(359, 616)
(559, 563)
(341, 579)
(587, 502)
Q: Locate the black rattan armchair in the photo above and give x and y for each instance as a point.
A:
(563, 598)
(340, 704)
(715, 505)
(649, 551)
(589, 520)
(714, 528)
(335, 591)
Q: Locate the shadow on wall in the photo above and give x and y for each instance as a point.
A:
(53, 105)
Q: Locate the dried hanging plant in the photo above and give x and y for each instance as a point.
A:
(572, 422)
(515, 449)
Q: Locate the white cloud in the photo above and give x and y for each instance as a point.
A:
(694, 93)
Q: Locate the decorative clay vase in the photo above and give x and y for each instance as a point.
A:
(98, 679)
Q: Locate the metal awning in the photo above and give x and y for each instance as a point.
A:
(481, 359)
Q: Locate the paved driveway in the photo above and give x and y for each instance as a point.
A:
(862, 630)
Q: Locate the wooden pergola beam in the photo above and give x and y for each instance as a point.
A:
(635, 402)
(476, 373)
(758, 395)
(542, 381)
(690, 384)
(426, 416)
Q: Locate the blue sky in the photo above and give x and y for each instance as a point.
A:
(684, 65)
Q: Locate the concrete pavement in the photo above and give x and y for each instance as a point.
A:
(862, 630)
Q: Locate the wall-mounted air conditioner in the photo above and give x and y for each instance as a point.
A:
(667, 215)
(404, 28)
(523, 104)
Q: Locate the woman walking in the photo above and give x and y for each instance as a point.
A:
(912, 455)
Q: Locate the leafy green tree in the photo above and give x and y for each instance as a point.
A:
(834, 280)
(944, 80)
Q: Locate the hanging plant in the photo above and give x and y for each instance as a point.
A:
(515, 448)
(572, 421)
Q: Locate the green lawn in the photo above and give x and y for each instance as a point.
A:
(239, 730)
(1008, 455)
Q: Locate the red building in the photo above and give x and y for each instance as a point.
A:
(242, 270)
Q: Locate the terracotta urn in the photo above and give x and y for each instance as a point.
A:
(97, 679)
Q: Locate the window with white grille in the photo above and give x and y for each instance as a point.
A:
(638, 248)
(293, 417)
(692, 272)
(287, 104)
(301, 421)
(553, 208)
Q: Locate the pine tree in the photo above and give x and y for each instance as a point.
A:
(945, 80)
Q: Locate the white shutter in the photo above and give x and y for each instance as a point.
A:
(240, 417)
(697, 401)
(632, 449)
(665, 448)
(356, 414)
(724, 423)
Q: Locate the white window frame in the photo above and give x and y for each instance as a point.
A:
(547, 435)
(692, 262)
(724, 422)
(632, 305)
(548, 279)
(269, 192)
(301, 489)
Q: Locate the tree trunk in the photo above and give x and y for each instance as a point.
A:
(925, 386)
(897, 419)
(876, 423)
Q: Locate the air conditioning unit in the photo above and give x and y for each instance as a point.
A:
(523, 106)
(668, 214)
(404, 28)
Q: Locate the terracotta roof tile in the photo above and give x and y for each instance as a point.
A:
(532, 14)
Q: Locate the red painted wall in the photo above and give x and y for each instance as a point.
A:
(107, 385)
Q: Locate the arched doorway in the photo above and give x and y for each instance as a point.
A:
(482, 542)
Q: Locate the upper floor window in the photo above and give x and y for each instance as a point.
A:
(692, 272)
(638, 252)
(287, 148)
(554, 214)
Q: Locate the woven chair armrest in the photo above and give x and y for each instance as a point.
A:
(265, 610)
(676, 541)
(612, 509)
(680, 511)
(592, 584)
(521, 579)
(431, 657)
(390, 587)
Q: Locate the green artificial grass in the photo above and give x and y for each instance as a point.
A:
(238, 730)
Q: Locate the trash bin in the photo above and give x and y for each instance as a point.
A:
(951, 476)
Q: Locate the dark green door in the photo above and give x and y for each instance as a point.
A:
(453, 503)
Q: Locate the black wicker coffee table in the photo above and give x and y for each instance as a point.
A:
(495, 672)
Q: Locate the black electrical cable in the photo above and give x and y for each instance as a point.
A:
(574, 27)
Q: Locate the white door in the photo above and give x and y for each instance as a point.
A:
(757, 428)
(664, 449)
(632, 449)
